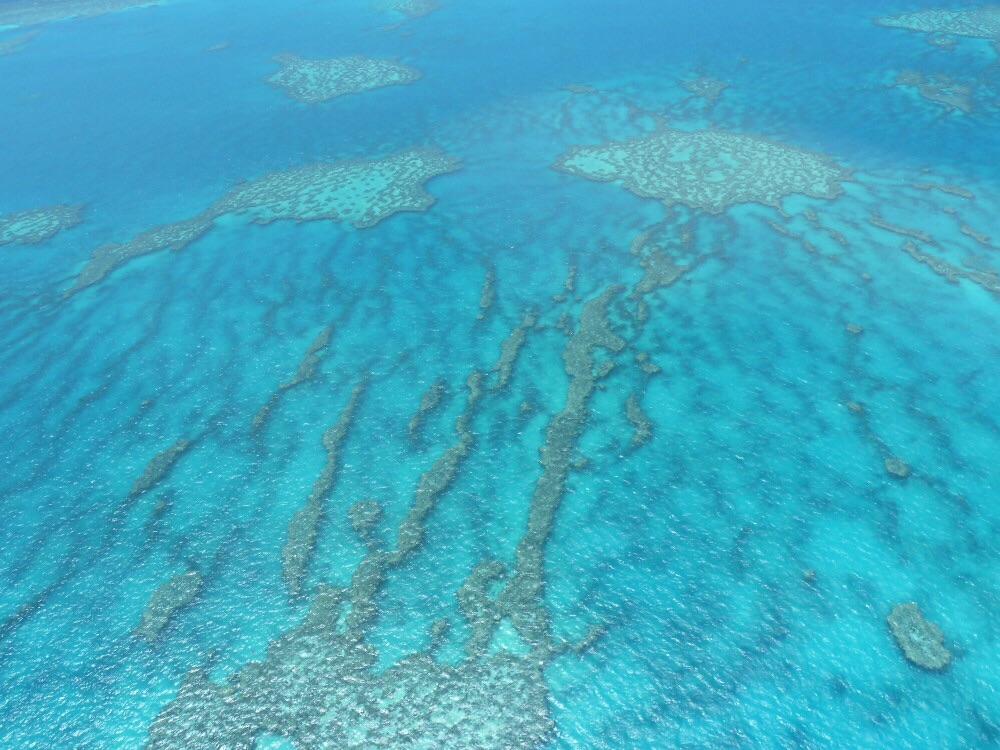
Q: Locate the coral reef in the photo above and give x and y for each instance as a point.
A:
(982, 22)
(709, 170)
(438, 478)
(579, 88)
(302, 529)
(316, 685)
(39, 224)
(565, 324)
(305, 371)
(942, 41)
(313, 81)
(922, 641)
(170, 597)
(950, 189)
(488, 294)
(637, 417)
(645, 364)
(429, 401)
(521, 597)
(569, 284)
(364, 516)
(981, 237)
(659, 271)
(782, 229)
(988, 280)
(409, 8)
(710, 89)
(897, 467)
(30, 12)
(158, 467)
(360, 191)
(15, 44)
(510, 347)
(940, 89)
(876, 220)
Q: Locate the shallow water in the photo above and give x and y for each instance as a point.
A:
(724, 583)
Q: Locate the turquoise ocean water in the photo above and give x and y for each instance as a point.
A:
(724, 583)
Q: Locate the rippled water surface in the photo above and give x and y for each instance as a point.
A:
(476, 374)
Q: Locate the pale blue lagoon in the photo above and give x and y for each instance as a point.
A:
(470, 374)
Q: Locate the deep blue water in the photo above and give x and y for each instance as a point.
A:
(741, 562)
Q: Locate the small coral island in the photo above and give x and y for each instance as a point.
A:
(314, 81)
(707, 169)
(38, 224)
(922, 642)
